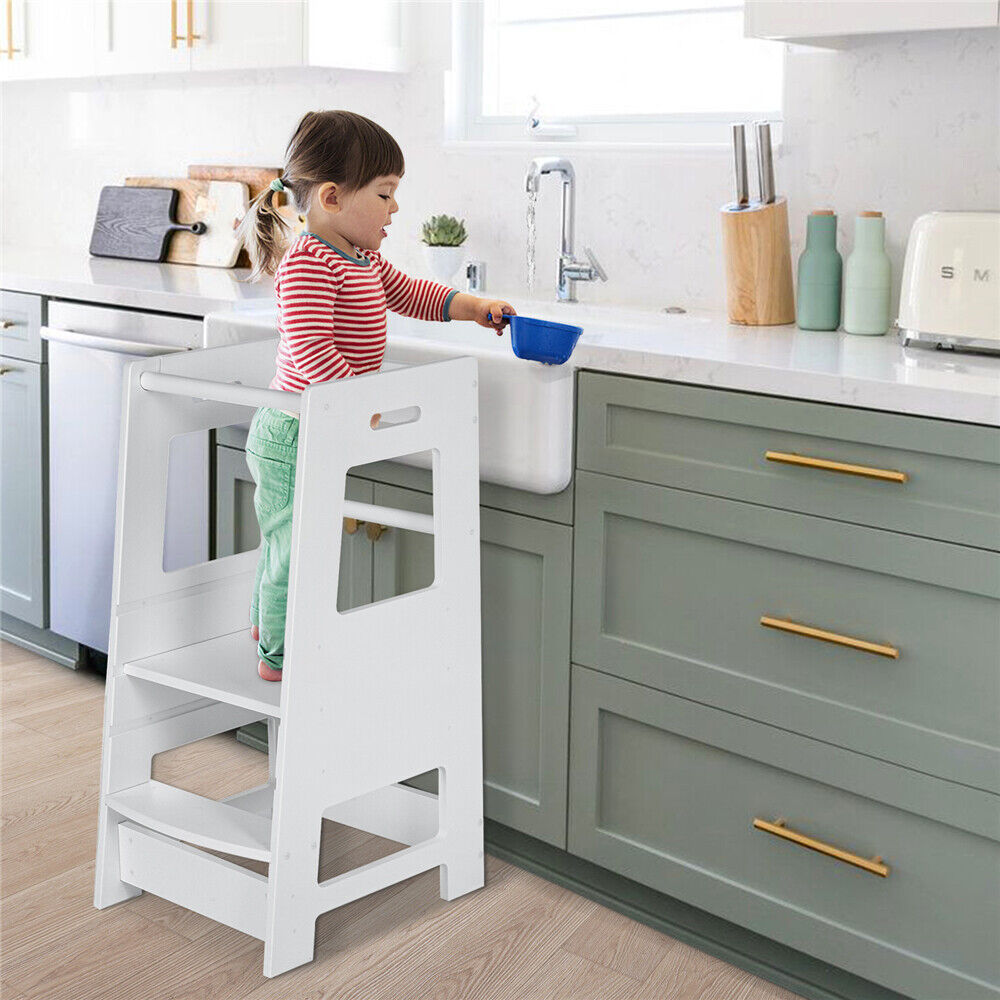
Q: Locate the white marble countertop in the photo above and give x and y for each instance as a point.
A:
(704, 349)
(695, 348)
(135, 284)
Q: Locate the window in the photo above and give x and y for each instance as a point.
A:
(631, 71)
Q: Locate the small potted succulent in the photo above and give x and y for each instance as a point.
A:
(443, 237)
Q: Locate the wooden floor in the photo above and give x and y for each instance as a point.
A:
(519, 938)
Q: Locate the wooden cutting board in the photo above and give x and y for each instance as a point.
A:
(257, 179)
(135, 223)
(219, 204)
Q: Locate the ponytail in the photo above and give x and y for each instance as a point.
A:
(264, 232)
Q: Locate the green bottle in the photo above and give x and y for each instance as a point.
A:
(868, 278)
(820, 270)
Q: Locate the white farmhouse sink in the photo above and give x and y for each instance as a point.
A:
(525, 408)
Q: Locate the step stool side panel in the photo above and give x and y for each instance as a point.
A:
(194, 879)
(379, 693)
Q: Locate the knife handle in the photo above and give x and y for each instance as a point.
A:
(765, 163)
(740, 161)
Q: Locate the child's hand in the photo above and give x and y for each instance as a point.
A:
(495, 308)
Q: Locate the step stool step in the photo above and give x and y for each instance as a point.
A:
(224, 669)
(195, 819)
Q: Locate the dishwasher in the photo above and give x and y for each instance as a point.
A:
(90, 348)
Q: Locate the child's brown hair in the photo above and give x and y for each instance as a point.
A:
(338, 146)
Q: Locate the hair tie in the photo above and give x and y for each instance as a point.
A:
(276, 185)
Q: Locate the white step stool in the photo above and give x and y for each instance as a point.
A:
(370, 696)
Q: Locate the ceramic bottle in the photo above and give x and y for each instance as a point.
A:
(819, 275)
(867, 278)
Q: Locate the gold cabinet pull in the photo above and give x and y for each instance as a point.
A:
(819, 633)
(787, 458)
(351, 524)
(191, 36)
(375, 531)
(174, 37)
(10, 31)
(874, 865)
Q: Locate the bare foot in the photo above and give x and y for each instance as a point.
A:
(267, 673)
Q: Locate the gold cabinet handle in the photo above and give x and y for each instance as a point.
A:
(174, 37)
(778, 829)
(375, 531)
(351, 524)
(787, 458)
(10, 31)
(191, 36)
(819, 633)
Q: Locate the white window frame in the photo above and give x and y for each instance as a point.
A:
(465, 125)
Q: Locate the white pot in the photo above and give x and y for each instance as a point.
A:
(444, 262)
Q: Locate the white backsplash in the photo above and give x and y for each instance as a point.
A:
(905, 124)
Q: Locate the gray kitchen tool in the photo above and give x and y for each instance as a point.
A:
(765, 163)
(136, 223)
(740, 161)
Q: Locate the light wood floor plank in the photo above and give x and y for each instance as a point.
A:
(685, 973)
(619, 944)
(519, 938)
(92, 959)
(569, 977)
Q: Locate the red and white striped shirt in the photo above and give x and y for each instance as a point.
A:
(331, 311)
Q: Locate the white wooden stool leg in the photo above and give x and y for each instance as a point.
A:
(290, 921)
(461, 809)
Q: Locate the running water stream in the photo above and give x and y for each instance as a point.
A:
(532, 198)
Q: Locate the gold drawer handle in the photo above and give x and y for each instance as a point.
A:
(874, 865)
(886, 475)
(375, 531)
(818, 633)
(351, 524)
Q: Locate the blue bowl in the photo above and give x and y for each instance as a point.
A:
(541, 340)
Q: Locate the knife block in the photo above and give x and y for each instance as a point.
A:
(758, 256)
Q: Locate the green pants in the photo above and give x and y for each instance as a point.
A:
(272, 447)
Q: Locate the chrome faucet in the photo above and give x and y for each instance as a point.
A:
(570, 269)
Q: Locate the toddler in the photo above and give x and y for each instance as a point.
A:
(332, 287)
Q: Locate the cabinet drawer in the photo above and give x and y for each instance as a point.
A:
(670, 589)
(20, 325)
(666, 791)
(718, 442)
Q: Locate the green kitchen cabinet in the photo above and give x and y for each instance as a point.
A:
(714, 599)
(23, 511)
(525, 570)
(705, 805)
(914, 475)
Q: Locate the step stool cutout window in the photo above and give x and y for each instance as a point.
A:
(377, 826)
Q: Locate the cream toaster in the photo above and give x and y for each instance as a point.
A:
(951, 281)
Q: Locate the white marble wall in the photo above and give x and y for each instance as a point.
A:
(905, 124)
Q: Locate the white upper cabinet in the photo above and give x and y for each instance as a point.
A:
(40, 38)
(65, 38)
(247, 34)
(361, 34)
(141, 36)
(833, 22)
